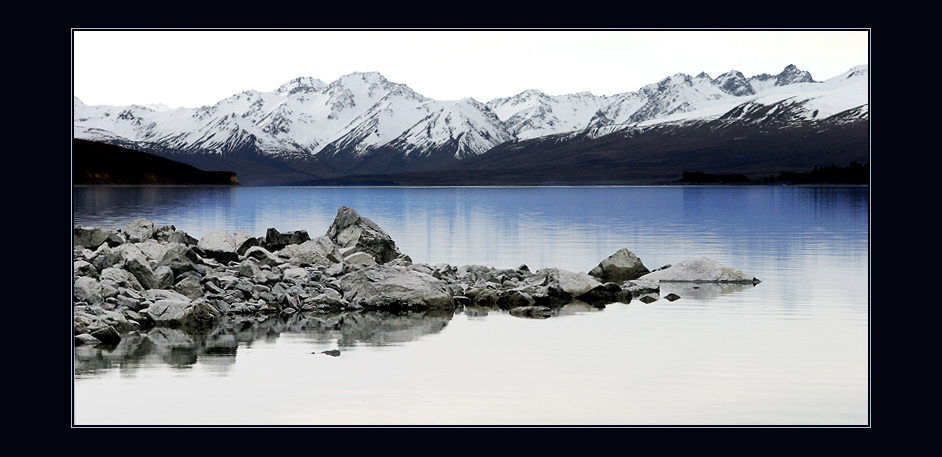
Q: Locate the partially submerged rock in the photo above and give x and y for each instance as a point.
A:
(701, 269)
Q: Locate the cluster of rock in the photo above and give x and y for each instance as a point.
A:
(144, 276)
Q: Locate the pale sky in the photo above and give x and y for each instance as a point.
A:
(192, 68)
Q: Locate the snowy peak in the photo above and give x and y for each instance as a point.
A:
(792, 75)
(303, 84)
(734, 83)
(372, 84)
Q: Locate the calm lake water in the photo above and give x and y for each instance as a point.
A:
(793, 350)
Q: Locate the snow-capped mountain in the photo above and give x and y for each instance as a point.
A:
(363, 123)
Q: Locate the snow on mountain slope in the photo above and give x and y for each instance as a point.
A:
(532, 113)
(385, 119)
(680, 97)
(362, 112)
(810, 100)
(467, 123)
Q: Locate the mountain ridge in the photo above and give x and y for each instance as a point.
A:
(364, 124)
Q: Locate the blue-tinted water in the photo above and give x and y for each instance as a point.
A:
(792, 350)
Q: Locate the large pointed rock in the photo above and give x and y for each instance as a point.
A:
(354, 233)
(619, 267)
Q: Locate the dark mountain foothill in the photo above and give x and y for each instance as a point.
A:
(96, 163)
(144, 277)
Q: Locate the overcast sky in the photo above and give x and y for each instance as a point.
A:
(192, 68)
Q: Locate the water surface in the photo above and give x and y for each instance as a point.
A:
(793, 350)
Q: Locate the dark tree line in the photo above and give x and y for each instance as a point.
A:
(701, 177)
(854, 173)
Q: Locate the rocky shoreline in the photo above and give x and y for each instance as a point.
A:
(146, 276)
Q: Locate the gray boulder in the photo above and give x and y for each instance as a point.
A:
(553, 287)
(619, 267)
(87, 289)
(139, 230)
(89, 237)
(189, 287)
(567, 281)
(296, 275)
(181, 259)
(182, 238)
(262, 256)
(138, 265)
(219, 245)
(605, 294)
(121, 278)
(350, 230)
(275, 240)
(250, 269)
(243, 240)
(639, 287)
(486, 298)
(83, 268)
(163, 276)
(85, 338)
(395, 287)
(359, 259)
(701, 269)
(318, 251)
(515, 299)
(162, 233)
(107, 335)
(223, 246)
(196, 315)
(103, 257)
(152, 249)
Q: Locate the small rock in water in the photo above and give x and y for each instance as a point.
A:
(332, 352)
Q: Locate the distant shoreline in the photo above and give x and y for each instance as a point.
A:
(751, 184)
(98, 164)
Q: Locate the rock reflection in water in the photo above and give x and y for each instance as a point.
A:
(181, 348)
(178, 347)
(702, 291)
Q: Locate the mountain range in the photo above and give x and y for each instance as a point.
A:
(365, 128)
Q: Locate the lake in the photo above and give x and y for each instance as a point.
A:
(793, 350)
